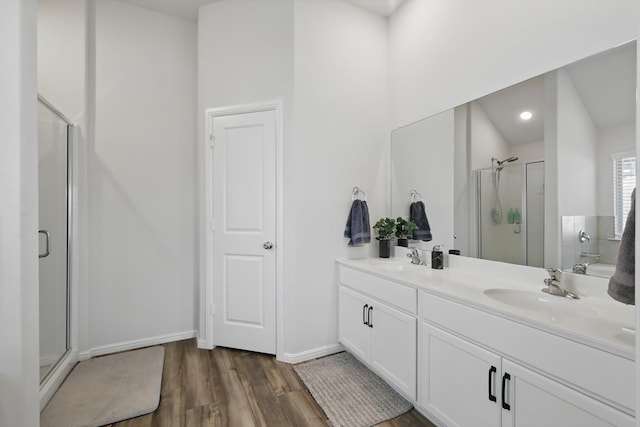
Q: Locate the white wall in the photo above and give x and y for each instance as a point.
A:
(444, 53)
(142, 180)
(333, 85)
(486, 141)
(340, 141)
(421, 155)
(126, 76)
(577, 139)
(62, 55)
(530, 152)
(19, 391)
(245, 53)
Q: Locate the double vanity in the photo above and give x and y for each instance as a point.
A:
(479, 343)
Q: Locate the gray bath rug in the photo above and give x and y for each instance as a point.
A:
(349, 393)
(107, 389)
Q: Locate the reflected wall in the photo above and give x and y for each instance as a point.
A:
(584, 113)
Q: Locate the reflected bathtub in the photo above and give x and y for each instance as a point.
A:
(599, 270)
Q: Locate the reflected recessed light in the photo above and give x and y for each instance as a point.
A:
(526, 115)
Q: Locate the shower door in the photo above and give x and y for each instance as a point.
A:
(53, 221)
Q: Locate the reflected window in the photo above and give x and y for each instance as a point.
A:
(624, 181)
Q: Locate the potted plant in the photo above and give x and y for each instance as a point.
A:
(404, 230)
(386, 228)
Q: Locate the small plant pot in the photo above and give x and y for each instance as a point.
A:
(403, 242)
(384, 249)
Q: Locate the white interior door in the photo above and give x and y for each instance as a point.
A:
(243, 228)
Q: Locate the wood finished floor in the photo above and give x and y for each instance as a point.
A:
(235, 388)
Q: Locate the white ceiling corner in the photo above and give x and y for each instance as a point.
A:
(188, 9)
(384, 8)
(184, 9)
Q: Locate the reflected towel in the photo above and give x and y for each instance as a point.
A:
(622, 283)
(418, 215)
(358, 229)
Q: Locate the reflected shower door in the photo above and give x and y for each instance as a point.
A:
(501, 214)
(53, 233)
(511, 213)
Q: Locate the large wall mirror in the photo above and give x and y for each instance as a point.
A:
(539, 173)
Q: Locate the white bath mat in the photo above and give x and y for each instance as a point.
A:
(107, 389)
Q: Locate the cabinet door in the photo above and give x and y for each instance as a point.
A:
(393, 346)
(536, 401)
(459, 381)
(353, 331)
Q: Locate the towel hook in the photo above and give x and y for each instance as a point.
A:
(415, 196)
(357, 191)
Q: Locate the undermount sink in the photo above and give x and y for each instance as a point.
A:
(554, 306)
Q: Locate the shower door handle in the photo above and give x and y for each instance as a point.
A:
(47, 244)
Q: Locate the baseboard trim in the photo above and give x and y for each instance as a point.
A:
(203, 344)
(310, 354)
(130, 345)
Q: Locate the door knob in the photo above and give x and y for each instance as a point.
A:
(267, 245)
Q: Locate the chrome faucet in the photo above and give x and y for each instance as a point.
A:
(580, 268)
(415, 256)
(554, 287)
(583, 236)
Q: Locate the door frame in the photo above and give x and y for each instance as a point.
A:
(205, 331)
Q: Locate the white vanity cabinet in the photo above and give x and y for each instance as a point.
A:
(378, 324)
(535, 400)
(459, 381)
(463, 384)
(466, 362)
(468, 379)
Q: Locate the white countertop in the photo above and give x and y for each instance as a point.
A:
(593, 320)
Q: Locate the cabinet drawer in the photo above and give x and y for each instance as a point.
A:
(606, 376)
(401, 296)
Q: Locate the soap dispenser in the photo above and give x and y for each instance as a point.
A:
(437, 257)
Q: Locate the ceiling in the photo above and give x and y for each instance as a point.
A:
(504, 107)
(188, 9)
(606, 83)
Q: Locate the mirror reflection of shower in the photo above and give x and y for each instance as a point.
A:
(510, 211)
(496, 211)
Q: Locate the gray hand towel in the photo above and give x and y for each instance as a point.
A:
(622, 283)
(418, 215)
(358, 229)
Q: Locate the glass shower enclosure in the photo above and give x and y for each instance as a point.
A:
(54, 222)
(510, 213)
